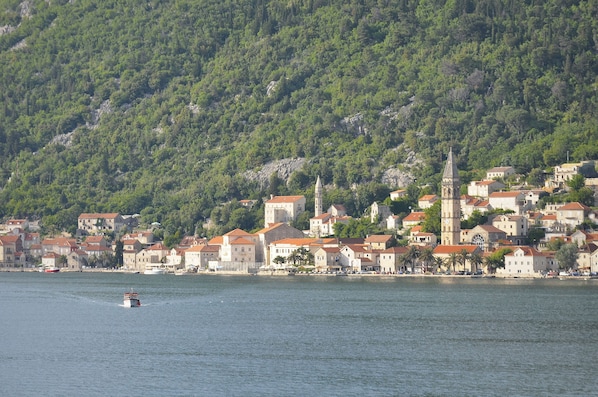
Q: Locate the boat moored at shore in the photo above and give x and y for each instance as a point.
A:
(155, 270)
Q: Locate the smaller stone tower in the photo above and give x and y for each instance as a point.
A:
(318, 202)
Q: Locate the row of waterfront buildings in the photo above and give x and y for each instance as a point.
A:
(278, 245)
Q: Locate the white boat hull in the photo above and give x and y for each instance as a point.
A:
(131, 303)
(131, 299)
(155, 271)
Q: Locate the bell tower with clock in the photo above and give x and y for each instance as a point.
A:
(451, 203)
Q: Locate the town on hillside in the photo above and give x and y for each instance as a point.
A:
(514, 235)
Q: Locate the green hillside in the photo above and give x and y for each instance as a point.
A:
(160, 107)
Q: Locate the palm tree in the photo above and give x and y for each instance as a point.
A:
(463, 257)
(411, 256)
(452, 260)
(427, 257)
(438, 262)
(476, 259)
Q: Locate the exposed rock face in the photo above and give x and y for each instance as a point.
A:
(395, 177)
(402, 176)
(284, 168)
(63, 139)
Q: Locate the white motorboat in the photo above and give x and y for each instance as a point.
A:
(155, 270)
(131, 299)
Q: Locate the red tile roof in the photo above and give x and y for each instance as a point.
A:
(449, 249)
(284, 199)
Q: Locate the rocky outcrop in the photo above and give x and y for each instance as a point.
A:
(283, 168)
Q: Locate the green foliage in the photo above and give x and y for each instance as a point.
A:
(567, 256)
(476, 218)
(576, 182)
(432, 220)
(356, 228)
(497, 259)
(535, 235)
(555, 244)
(164, 105)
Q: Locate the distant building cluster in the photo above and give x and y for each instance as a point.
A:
(281, 247)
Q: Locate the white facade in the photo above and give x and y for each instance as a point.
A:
(283, 209)
(512, 225)
(528, 262)
(500, 172)
(483, 188)
(514, 201)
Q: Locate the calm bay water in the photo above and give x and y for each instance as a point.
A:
(67, 334)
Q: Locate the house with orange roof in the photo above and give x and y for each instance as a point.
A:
(51, 259)
(422, 239)
(11, 251)
(549, 222)
(515, 226)
(484, 188)
(175, 259)
(527, 262)
(216, 240)
(93, 223)
(199, 256)
(413, 219)
(237, 247)
(76, 260)
(323, 225)
(36, 251)
(146, 238)
(445, 252)
(12, 224)
(534, 219)
(266, 236)
(283, 209)
(427, 201)
(397, 194)
(327, 259)
(471, 204)
(30, 239)
(191, 241)
(98, 241)
(152, 257)
(337, 210)
(131, 247)
(359, 257)
(317, 224)
(391, 260)
(581, 237)
(97, 251)
(59, 245)
(573, 214)
(514, 201)
(379, 241)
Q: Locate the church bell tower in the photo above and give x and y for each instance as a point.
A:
(318, 202)
(451, 203)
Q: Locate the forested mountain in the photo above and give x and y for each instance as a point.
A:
(160, 107)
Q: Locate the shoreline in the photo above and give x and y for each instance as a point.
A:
(286, 274)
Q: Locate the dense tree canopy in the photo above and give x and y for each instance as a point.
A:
(160, 107)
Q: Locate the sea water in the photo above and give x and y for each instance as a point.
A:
(67, 334)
